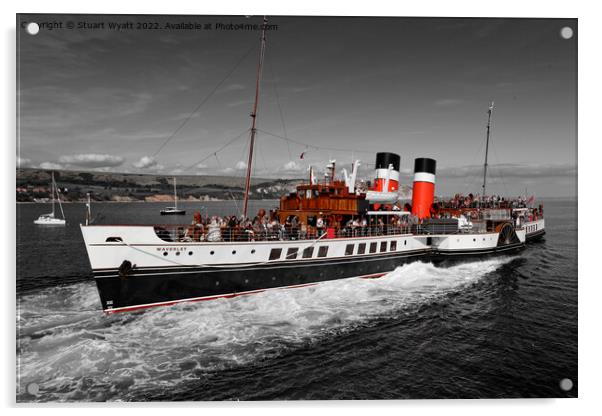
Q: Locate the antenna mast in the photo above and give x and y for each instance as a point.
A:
(487, 147)
(254, 119)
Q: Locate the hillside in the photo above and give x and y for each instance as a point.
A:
(33, 185)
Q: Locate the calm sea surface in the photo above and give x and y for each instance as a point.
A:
(501, 327)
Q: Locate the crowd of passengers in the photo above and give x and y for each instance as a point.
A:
(476, 201)
(267, 226)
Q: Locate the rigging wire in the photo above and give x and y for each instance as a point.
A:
(288, 146)
(499, 171)
(218, 150)
(229, 191)
(476, 179)
(311, 146)
(198, 107)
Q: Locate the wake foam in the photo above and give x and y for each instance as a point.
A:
(74, 352)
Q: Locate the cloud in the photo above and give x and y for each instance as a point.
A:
(201, 166)
(292, 166)
(145, 162)
(51, 166)
(448, 102)
(238, 103)
(240, 165)
(23, 163)
(92, 160)
(233, 87)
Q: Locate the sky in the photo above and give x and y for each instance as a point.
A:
(167, 101)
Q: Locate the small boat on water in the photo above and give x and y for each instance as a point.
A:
(51, 219)
(173, 210)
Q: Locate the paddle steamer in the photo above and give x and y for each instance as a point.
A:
(325, 230)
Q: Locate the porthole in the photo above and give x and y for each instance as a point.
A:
(216, 283)
(474, 239)
(165, 253)
(212, 252)
(253, 251)
(246, 280)
(405, 242)
(190, 253)
(233, 251)
(177, 253)
(273, 277)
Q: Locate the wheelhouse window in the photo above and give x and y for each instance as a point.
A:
(393, 246)
(275, 254)
(349, 249)
(308, 253)
(361, 248)
(322, 251)
(373, 247)
(291, 253)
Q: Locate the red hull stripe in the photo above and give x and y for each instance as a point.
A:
(225, 296)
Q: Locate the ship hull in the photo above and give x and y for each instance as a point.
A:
(535, 230)
(135, 269)
(152, 287)
(166, 286)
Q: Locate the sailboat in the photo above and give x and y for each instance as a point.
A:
(50, 219)
(173, 210)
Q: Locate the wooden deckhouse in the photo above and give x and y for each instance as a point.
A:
(330, 199)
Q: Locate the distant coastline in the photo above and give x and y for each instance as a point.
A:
(33, 186)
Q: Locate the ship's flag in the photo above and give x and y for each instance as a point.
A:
(301, 156)
(531, 200)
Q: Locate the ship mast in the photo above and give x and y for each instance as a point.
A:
(487, 147)
(254, 119)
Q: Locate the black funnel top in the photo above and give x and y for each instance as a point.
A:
(384, 159)
(424, 164)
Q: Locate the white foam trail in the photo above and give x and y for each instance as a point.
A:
(75, 355)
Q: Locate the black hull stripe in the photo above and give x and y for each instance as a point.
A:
(165, 287)
(263, 266)
(536, 234)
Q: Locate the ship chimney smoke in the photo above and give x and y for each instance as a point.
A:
(423, 192)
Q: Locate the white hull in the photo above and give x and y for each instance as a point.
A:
(535, 228)
(109, 246)
(49, 221)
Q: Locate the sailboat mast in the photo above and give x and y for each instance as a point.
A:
(52, 190)
(175, 194)
(487, 147)
(254, 119)
(58, 197)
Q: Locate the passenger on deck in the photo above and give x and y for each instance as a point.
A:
(196, 230)
(213, 230)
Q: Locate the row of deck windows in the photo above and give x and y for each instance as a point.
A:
(531, 228)
(293, 252)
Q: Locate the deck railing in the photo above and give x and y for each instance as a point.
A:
(179, 233)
